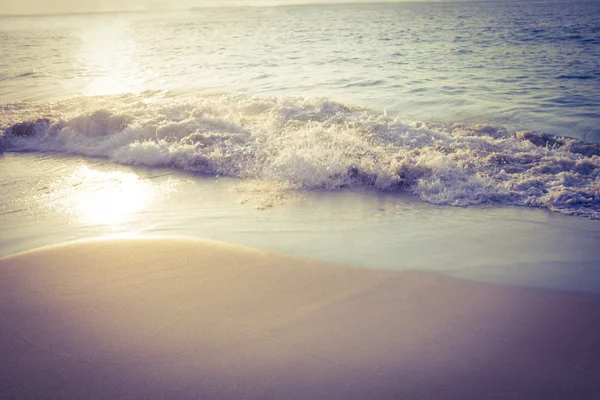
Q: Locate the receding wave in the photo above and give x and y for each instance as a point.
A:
(315, 144)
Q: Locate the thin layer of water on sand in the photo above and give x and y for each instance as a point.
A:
(49, 199)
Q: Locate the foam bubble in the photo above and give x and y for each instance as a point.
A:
(316, 144)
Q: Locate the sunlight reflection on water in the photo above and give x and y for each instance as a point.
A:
(108, 198)
(522, 65)
(107, 58)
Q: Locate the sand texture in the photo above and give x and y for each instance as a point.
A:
(187, 319)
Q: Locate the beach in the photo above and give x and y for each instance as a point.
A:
(316, 201)
(156, 318)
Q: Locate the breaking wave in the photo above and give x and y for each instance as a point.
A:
(315, 144)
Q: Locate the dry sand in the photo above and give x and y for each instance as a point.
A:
(179, 318)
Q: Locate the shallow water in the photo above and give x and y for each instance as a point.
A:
(76, 198)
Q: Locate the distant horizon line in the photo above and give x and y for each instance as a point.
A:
(234, 4)
(229, 4)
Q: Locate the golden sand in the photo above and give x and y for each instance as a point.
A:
(182, 318)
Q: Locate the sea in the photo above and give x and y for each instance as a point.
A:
(453, 137)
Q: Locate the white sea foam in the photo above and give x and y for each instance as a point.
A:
(315, 144)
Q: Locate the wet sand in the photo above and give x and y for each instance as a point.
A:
(183, 318)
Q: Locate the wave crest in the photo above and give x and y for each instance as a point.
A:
(316, 144)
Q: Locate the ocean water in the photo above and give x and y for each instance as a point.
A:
(521, 65)
(382, 135)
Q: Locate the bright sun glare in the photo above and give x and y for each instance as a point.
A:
(107, 60)
(108, 198)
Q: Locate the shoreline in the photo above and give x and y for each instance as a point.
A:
(180, 317)
(52, 199)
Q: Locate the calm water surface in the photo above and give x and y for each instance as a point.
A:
(520, 65)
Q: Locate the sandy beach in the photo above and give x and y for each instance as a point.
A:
(183, 318)
(299, 199)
